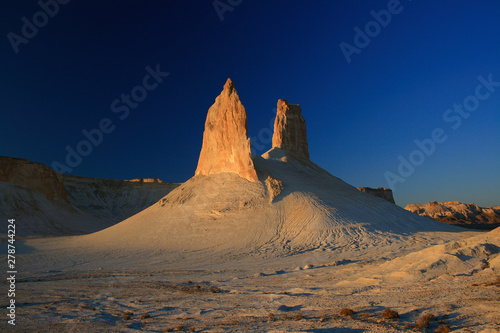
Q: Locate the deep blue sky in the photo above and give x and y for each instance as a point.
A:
(360, 115)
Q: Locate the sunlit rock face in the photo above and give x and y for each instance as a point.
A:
(226, 146)
(467, 215)
(290, 129)
(33, 176)
(381, 192)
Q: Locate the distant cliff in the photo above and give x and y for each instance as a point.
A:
(33, 176)
(467, 215)
(47, 203)
(115, 199)
(380, 192)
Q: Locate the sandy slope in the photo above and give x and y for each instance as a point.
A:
(36, 215)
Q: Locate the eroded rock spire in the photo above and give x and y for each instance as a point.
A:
(226, 146)
(290, 129)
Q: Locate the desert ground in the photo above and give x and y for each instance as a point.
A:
(457, 282)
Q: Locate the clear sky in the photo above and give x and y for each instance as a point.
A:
(371, 76)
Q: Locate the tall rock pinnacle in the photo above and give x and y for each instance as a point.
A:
(290, 129)
(226, 146)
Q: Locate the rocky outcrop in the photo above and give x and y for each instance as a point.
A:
(113, 199)
(33, 176)
(274, 188)
(146, 180)
(226, 146)
(46, 203)
(467, 215)
(290, 129)
(380, 192)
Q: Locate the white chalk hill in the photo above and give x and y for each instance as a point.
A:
(227, 213)
(222, 213)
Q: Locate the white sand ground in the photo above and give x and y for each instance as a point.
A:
(215, 255)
